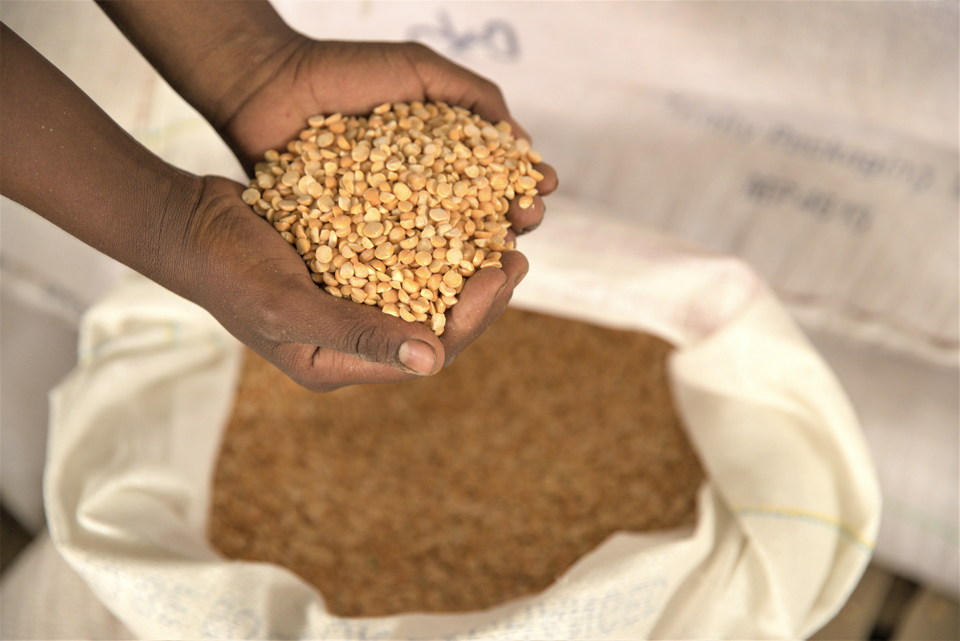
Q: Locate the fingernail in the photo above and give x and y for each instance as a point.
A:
(417, 356)
(519, 278)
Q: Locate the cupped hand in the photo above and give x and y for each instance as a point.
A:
(354, 77)
(320, 341)
(256, 285)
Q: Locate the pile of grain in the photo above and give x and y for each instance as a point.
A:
(459, 491)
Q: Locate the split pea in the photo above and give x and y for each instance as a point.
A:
(419, 185)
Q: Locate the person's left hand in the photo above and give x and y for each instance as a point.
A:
(354, 77)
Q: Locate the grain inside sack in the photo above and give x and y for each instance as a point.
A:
(397, 208)
(459, 491)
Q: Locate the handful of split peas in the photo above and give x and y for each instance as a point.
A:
(398, 208)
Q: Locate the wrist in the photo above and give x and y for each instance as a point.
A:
(245, 67)
(158, 243)
(64, 159)
(214, 54)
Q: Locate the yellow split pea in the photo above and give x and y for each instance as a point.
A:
(398, 208)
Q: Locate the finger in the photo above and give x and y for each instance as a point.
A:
(525, 220)
(324, 370)
(550, 181)
(483, 299)
(304, 314)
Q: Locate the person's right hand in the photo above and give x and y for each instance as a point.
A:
(236, 265)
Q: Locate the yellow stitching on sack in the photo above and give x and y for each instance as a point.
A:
(846, 530)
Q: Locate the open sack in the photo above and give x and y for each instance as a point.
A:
(785, 526)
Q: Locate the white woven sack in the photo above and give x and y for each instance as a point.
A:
(785, 525)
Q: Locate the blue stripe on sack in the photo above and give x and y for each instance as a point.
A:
(794, 514)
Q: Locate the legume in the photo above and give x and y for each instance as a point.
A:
(398, 208)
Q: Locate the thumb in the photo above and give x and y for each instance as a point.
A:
(255, 283)
(326, 342)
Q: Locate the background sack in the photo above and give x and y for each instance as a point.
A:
(816, 141)
(786, 522)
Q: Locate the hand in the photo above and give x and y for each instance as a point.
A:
(234, 264)
(352, 78)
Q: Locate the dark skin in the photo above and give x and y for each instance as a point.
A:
(256, 81)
